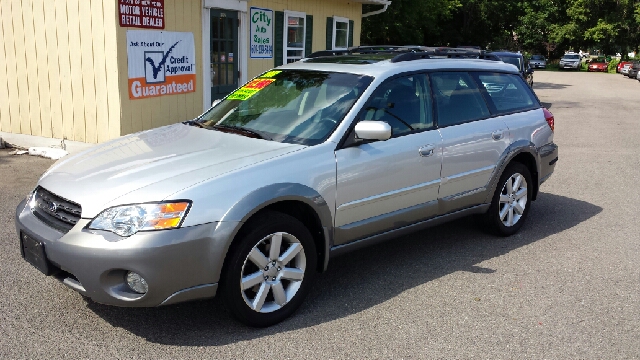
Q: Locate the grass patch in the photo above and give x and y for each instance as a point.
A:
(550, 67)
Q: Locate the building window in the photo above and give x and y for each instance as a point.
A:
(294, 36)
(340, 33)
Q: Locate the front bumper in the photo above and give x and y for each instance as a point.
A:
(569, 65)
(178, 265)
(538, 65)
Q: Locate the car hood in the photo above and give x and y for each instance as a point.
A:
(171, 155)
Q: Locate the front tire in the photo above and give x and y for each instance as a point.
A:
(511, 201)
(270, 270)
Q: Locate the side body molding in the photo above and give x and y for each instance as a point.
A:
(259, 199)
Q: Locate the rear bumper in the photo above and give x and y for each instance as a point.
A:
(548, 158)
(178, 265)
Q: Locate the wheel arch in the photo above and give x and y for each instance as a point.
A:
(524, 152)
(296, 200)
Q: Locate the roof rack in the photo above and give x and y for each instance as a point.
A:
(446, 53)
(410, 53)
(369, 49)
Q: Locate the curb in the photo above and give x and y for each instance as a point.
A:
(26, 141)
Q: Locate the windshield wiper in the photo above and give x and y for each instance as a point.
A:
(194, 123)
(240, 130)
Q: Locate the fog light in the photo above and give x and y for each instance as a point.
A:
(136, 282)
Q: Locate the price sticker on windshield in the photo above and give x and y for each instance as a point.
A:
(250, 89)
(270, 74)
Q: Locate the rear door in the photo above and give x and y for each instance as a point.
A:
(472, 140)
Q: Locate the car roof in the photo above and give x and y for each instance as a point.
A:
(386, 67)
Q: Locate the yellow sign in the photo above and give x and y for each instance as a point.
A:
(270, 74)
(250, 89)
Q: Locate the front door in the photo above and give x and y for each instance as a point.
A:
(385, 185)
(224, 53)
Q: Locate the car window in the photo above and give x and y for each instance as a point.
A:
(572, 57)
(404, 103)
(511, 60)
(458, 99)
(507, 92)
(537, 57)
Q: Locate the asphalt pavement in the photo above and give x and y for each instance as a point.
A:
(567, 286)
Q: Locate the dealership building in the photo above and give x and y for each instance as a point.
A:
(94, 70)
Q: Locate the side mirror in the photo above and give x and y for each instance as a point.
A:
(373, 130)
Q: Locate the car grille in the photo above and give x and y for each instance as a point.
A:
(61, 214)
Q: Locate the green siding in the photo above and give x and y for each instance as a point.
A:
(278, 35)
(329, 33)
(308, 43)
(351, 23)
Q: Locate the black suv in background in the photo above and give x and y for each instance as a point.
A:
(518, 61)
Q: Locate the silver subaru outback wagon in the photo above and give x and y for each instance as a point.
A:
(305, 162)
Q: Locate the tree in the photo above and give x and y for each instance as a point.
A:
(406, 22)
(538, 26)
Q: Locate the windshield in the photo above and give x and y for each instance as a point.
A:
(290, 106)
(537, 57)
(572, 57)
(511, 60)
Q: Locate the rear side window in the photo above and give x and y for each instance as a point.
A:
(507, 93)
(458, 98)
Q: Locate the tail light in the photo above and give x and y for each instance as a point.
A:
(549, 117)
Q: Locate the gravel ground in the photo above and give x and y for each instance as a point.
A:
(566, 286)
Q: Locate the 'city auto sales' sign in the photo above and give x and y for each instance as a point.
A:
(160, 63)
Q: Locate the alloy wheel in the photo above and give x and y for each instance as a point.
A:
(513, 200)
(273, 272)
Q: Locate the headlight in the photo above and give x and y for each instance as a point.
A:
(127, 220)
(31, 199)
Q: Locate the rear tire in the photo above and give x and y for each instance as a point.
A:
(511, 201)
(262, 284)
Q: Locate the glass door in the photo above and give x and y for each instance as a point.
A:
(224, 52)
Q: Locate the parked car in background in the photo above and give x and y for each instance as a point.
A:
(598, 65)
(621, 65)
(517, 60)
(633, 70)
(303, 163)
(625, 69)
(570, 61)
(538, 61)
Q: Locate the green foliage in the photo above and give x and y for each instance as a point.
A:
(548, 27)
(613, 64)
(406, 22)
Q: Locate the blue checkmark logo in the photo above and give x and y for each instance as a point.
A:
(156, 73)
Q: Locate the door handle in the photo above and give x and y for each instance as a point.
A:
(497, 135)
(427, 150)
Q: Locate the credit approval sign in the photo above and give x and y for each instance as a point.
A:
(160, 63)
